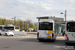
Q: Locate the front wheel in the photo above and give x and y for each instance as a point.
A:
(6, 34)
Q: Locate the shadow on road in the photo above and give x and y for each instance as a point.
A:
(30, 40)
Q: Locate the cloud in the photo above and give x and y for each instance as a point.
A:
(30, 9)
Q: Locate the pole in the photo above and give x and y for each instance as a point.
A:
(14, 20)
(65, 20)
(65, 16)
(27, 30)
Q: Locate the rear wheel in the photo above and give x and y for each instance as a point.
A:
(6, 34)
(53, 40)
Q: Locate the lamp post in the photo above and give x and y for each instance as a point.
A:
(14, 20)
(65, 18)
(64, 15)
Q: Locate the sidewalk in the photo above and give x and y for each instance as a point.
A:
(60, 37)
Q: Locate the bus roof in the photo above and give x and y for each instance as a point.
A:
(46, 20)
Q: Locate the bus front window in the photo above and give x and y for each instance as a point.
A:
(45, 26)
(71, 26)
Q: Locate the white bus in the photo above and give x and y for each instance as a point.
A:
(12, 28)
(70, 32)
(46, 30)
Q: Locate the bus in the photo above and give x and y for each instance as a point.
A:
(12, 28)
(70, 32)
(46, 30)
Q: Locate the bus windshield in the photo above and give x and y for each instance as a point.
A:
(9, 28)
(71, 26)
(16, 27)
(45, 26)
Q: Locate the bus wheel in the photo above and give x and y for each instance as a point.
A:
(53, 40)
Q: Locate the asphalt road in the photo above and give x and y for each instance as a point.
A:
(33, 44)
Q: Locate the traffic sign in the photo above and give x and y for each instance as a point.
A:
(27, 24)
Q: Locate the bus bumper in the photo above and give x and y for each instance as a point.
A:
(45, 39)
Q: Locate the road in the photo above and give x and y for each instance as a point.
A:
(31, 43)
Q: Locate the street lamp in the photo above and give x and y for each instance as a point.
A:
(65, 18)
(14, 20)
(64, 15)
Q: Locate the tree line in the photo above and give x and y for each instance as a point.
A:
(19, 22)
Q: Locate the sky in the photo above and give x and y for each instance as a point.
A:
(30, 9)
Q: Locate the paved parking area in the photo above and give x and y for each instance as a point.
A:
(29, 36)
(16, 36)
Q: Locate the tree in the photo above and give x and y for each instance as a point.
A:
(19, 22)
(0, 21)
(35, 25)
(3, 21)
(29, 22)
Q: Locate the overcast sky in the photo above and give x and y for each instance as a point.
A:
(30, 9)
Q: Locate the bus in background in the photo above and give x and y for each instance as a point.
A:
(10, 27)
(70, 32)
(46, 30)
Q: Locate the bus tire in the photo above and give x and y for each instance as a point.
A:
(53, 40)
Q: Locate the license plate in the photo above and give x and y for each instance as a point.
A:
(49, 36)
